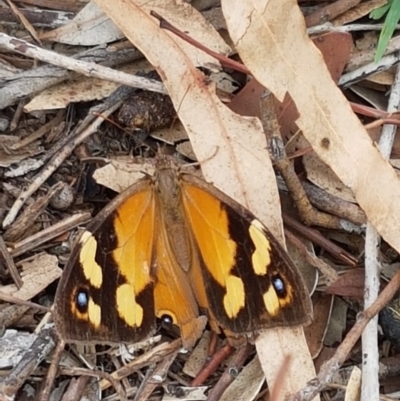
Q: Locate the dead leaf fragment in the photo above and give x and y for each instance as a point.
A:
(247, 385)
(36, 275)
(353, 390)
(316, 331)
(90, 27)
(349, 284)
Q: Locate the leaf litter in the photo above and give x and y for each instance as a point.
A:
(233, 154)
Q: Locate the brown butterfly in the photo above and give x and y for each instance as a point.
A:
(174, 246)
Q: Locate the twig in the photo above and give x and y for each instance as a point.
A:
(31, 213)
(330, 367)
(330, 11)
(225, 61)
(314, 236)
(155, 378)
(155, 355)
(16, 301)
(365, 71)
(329, 272)
(40, 348)
(25, 21)
(83, 67)
(227, 377)
(370, 352)
(96, 373)
(27, 83)
(329, 27)
(53, 164)
(9, 263)
(212, 365)
(329, 203)
(49, 233)
(52, 371)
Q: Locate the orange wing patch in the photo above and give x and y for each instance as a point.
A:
(209, 224)
(134, 229)
(173, 295)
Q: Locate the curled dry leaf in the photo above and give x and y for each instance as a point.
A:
(315, 333)
(349, 284)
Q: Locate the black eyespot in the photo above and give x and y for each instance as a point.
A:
(82, 300)
(167, 320)
(279, 286)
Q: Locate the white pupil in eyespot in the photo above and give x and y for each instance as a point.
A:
(166, 319)
(82, 299)
(278, 284)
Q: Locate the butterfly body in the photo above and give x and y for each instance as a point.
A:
(173, 245)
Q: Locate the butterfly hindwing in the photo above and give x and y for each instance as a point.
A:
(173, 295)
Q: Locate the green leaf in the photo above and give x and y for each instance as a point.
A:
(392, 18)
(379, 12)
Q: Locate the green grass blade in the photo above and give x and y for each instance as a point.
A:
(392, 18)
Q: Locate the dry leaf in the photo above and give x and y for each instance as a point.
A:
(121, 172)
(198, 356)
(36, 275)
(231, 149)
(247, 385)
(273, 347)
(321, 175)
(90, 27)
(252, 27)
(81, 89)
(187, 19)
(277, 50)
(353, 390)
(316, 331)
(337, 323)
(350, 284)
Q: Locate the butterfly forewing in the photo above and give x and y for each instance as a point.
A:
(106, 292)
(250, 282)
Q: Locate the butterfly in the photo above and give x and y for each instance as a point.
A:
(173, 247)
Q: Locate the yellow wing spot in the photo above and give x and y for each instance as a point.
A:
(271, 301)
(94, 312)
(235, 297)
(128, 309)
(87, 258)
(261, 257)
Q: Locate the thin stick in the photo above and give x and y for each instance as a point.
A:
(330, 367)
(225, 61)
